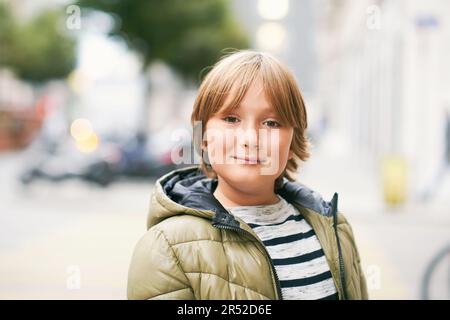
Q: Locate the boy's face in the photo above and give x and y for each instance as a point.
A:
(249, 147)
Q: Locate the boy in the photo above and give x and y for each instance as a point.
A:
(239, 226)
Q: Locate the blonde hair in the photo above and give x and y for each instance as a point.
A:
(237, 71)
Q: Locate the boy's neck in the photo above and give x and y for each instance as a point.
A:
(231, 197)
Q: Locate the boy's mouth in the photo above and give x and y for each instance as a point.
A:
(247, 160)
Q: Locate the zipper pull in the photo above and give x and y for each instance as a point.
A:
(223, 217)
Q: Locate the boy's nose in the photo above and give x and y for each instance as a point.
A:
(250, 138)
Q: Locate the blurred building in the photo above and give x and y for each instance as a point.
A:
(383, 77)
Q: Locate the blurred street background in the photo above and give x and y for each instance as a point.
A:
(95, 103)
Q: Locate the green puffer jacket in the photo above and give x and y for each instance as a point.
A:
(196, 249)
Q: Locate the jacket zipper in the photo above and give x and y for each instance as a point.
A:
(341, 261)
(277, 281)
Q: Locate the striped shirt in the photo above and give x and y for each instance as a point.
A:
(296, 252)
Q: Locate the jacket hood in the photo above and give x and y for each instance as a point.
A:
(188, 190)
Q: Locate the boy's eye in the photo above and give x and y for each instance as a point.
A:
(231, 119)
(272, 123)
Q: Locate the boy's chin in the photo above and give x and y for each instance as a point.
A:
(246, 174)
(266, 171)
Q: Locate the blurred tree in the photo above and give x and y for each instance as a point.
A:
(7, 28)
(36, 50)
(187, 35)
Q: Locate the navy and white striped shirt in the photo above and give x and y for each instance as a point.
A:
(296, 252)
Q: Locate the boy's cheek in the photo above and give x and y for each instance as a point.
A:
(217, 154)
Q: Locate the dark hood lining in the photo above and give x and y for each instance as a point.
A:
(191, 188)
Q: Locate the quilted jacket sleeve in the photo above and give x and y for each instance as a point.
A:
(155, 272)
(359, 280)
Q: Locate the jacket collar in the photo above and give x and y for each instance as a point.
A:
(189, 191)
(189, 188)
